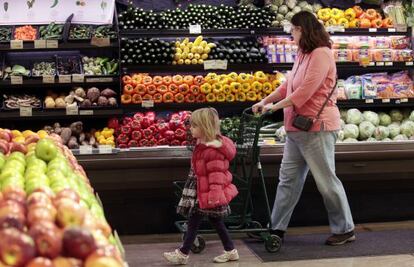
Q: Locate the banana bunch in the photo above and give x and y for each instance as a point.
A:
(187, 52)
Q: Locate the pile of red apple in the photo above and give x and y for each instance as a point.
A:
(146, 130)
(49, 215)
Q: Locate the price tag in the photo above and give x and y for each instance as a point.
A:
(52, 43)
(369, 101)
(404, 100)
(65, 78)
(386, 100)
(409, 63)
(78, 78)
(26, 111)
(100, 42)
(48, 79)
(392, 30)
(16, 79)
(371, 64)
(401, 28)
(86, 112)
(372, 29)
(380, 63)
(100, 80)
(40, 44)
(72, 110)
(85, 150)
(148, 103)
(389, 63)
(105, 149)
(287, 27)
(215, 64)
(195, 29)
(16, 44)
(252, 32)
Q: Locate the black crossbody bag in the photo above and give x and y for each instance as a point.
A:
(305, 123)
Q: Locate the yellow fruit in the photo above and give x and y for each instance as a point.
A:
(242, 78)
(226, 89)
(217, 88)
(194, 49)
(204, 56)
(211, 77)
(183, 46)
(198, 40)
(31, 147)
(204, 44)
(16, 133)
(177, 56)
(187, 61)
(19, 139)
(197, 56)
(257, 86)
(260, 76)
(103, 142)
(106, 134)
(186, 50)
(232, 77)
(194, 61)
(267, 87)
(174, 62)
(324, 14)
(211, 45)
(200, 61)
(27, 133)
(42, 134)
(178, 50)
(201, 50)
(246, 87)
(186, 40)
(235, 87)
(180, 62)
(112, 138)
(190, 56)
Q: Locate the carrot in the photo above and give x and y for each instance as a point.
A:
(25, 33)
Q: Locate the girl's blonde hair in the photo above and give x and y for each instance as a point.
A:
(208, 121)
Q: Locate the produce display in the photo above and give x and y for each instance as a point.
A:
(143, 130)
(5, 34)
(196, 52)
(16, 70)
(68, 65)
(104, 31)
(376, 85)
(208, 16)
(92, 97)
(49, 213)
(189, 89)
(230, 127)
(279, 49)
(44, 68)
(283, 10)
(80, 32)
(25, 33)
(51, 31)
(17, 101)
(100, 66)
(147, 51)
(239, 51)
(106, 135)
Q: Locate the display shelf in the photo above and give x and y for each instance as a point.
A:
(375, 103)
(60, 114)
(71, 45)
(255, 32)
(38, 82)
(188, 106)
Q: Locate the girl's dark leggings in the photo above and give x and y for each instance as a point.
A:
(192, 228)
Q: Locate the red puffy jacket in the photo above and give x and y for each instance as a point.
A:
(211, 166)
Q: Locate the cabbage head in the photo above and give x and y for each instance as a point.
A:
(372, 117)
(411, 118)
(407, 128)
(366, 130)
(384, 118)
(400, 137)
(381, 133)
(396, 115)
(394, 129)
(351, 131)
(354, 116)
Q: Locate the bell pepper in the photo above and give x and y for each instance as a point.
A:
(331, 22)
(126, 79)
(168, 97)
(324, 14)
(178, 79)
(157, 80)
(147, 133)
(122, 146)
(376, 23)
(199, 80)
(188, 79)
(226, 89)
(251, 96)
(337, 13)
(128, 89)
(167, 80)
(356, 23)
(162, 88)
(220, 97)
(245, 87)
(162, 142)
(147, 80)
(387, 23)
(141, 89)
(183, 88)
(243, 78)
(137, 99)
(235, 87)
(195, 89)
(157, 98)
(136, 79)
(122, 139)
(260, 96)
(138, 116)
(343, 22)
(151, 89)
(126, 99)
(143, 143)
(126, 120)
(241, 97)
(135, 125)
(358, 11)
(365, 23)
(147, 97)
(152, 142)
(179, 98)
(217, 88)
(113, 123)
(232, 77)
(370, 14)
(211, 97)
(205, 88)
(175, 143)
(350, 14)
(163, 127)
(184, 115)
(180, 134)
(230, 98)
(185, 143)
(173, 88)
(201, 98)
(190, 98)
(169, 135)
(136, 135)
(267, 87)
(126, 129)
(257, 86)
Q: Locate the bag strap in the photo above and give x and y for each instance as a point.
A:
(326, 100)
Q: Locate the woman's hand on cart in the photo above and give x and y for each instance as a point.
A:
(258, 107)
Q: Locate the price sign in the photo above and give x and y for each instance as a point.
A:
(215, 64)
(40, 44)
(25, 111)
(404, 100)
(16, 44)
(386, 100)
(392, 30)
(409, 63)
(16, 79)
(148, 103)
(72, 110)
(105, 149)
(65, 78)
(100, 42)
(380, 63)
(85, 150)
(389, 64)
(195, 29)
(86, 112)
(48, 79)
(52, 44)
(100, 80)
(372, 30)
(78, 78)
(369, 101)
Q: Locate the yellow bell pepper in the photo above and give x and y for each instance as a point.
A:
(336, 13)
(217, 88)
(246, 87)
(221, 97)
(257, 86)
(350, 14)
(232, 77)
(343, 22)
(331, 22)
(211, 97)
(241, 97)
(230, 98)
(324, 14)
(226, 89)
(205, 88)
(243, 77)
(235, 87)
(355, 23)
(251, 96)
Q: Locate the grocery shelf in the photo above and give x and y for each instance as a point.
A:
(375, 103)
(188, 106)
(71, 45)
(254, 32)
(38, 82)
(13, 115)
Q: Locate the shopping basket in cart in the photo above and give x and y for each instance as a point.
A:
(245, 167)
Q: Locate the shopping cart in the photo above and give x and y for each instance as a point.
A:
(244, 168)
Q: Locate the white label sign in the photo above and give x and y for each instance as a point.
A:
(65, 78)
(386, 100)
(52, 44)
(16, 79)
(409, 63)
(105, 149)
(78, 78)
(148, 103)
(215, 64)
(388, 63)
(404, 100)
(195, 29)
(85, 150)
(48, 79)
(372, 30)
(16, 44)
(72, 110)
(380, 63)
(100, 42)
(392, 30)
(100, 80)
(26, 111)
(40, 44)
(86, 112)
(369, 101)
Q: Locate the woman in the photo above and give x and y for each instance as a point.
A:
(307, 88)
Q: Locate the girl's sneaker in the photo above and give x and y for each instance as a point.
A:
(232, 255)
(176, 257)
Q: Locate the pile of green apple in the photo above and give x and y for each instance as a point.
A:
(49, 215)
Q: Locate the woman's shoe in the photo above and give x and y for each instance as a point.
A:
(176, 257)
(232, 255)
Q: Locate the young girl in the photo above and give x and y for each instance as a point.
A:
(208, 190)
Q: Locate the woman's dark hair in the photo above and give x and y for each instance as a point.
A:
(313, 35)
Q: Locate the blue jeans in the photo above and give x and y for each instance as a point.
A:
(314, 151)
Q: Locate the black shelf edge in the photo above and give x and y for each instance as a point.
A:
(29, 46)
(61, 114)
(253, 32)
(187, 106)
(375, 103)
(38, 82)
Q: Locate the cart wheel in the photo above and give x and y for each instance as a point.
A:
(254, 225)
(273, 243)
(198, 245)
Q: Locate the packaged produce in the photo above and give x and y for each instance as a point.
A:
(80, 32)
(342, 55)
(44, 68)
(99, 66)
(340, 89)
(51, 31)
(16, 70)
(402, 55)
(382, 55)
(362, 55)
(17, 101)
(353, 87)
(104, 31)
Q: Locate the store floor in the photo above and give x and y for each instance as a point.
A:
(146, 250)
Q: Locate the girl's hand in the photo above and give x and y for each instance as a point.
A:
(258, 107)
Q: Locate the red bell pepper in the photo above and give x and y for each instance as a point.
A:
(175, 143)
(180, 134)
(126, 129)
(147, 133)
(169, 135)
(175, 123)
(143, 142)
(136, 135)
(126, 120)
(153, 128)
(113, 123)
(122, 146)
(135, 125)
(163, 127)
(162, 142)
(122, 139)
(132, 143)
(184, 115)
(152, 142)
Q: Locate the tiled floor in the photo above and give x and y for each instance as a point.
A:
(147, 251)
